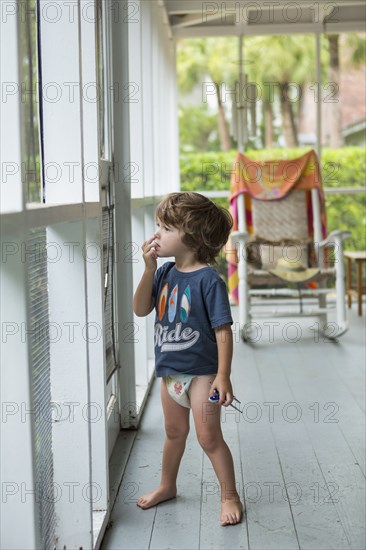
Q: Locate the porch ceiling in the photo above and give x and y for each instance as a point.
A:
(196, 18)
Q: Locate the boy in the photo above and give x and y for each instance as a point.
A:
(193, 337)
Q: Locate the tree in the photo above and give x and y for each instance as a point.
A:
(211, 62)
(197, 129)
(280, 67)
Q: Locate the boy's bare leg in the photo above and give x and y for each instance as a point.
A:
(176, 428)
(207, 421)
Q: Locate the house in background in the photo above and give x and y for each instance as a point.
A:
(353, 102)
(352, 99)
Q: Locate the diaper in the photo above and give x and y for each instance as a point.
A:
(178, 386)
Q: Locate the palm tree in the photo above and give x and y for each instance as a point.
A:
(212, 62)
(281, 67)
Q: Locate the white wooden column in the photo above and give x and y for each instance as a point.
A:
(11, 196)
(97, 375)
(122, 157)
(89, 101)
(318, 237)
(61, 89)
(243, 289)
(133, 96)
(70, 384)
(18, 498)
(17, 460)
(140, 323)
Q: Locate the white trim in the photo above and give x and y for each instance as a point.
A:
(344, 26)
(161, 3)
(182, 7)
(37, 215)
(353, 128)
(327, 191)
(256, 30)
(191, 19)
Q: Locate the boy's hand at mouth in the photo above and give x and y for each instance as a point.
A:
(149, 252)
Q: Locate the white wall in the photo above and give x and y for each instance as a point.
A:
(153, 103)
(154, 150)
(145, 134)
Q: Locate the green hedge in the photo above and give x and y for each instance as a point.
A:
(343, 167)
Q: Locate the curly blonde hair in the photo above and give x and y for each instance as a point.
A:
(205, 226)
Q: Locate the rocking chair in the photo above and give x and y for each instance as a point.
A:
(279, 246)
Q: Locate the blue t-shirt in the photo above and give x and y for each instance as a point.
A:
(188, 308)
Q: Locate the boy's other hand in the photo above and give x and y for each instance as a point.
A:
(223, 385)
(149, 253)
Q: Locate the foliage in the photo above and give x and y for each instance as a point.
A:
(271, 62)
(283, 58)
(355, 48)
(197, 129)
(344, 167)
(198, 58)
(29, 75)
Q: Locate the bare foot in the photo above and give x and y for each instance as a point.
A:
(159, 495)
(231, 512)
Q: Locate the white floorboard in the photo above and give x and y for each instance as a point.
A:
(298, 449)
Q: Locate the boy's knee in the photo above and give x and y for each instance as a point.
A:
(208, 442)
(176, 432)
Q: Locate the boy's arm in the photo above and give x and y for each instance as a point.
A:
(224, 340)
(143, 302)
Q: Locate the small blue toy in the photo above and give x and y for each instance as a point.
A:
(215, 398)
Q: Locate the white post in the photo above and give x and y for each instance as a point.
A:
(314, 193)
(317, 229)
(240, 103)
(340, 285)
(318, 96)
(124, 275)
(242, 229)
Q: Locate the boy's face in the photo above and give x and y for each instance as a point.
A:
(169, 241)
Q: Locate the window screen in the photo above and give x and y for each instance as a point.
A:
(41, 385)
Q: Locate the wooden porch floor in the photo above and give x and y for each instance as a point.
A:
(298, 450)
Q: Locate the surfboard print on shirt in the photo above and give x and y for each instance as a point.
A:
(162, 301)
(185, 304)
(172, 304)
